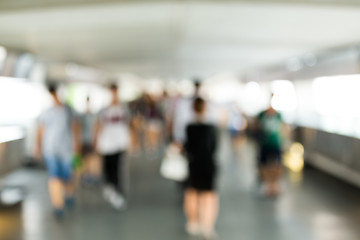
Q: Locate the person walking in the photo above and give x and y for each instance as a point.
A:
(112, 140)
(201, 200)
(90, 172)
(271, 128)
(57, 142)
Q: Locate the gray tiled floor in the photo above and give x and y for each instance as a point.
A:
(313, 206)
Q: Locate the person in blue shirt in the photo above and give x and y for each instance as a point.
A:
(57, 143)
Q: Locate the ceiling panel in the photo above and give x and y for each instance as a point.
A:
(178, 37)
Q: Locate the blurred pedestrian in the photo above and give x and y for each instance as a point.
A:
(112, 140)
(167, 107)
(201, 200)
(154, 123)
(137, 110)
(57, 141)
(91, 169)
(270, 127)
(183, 114)
(237, 125)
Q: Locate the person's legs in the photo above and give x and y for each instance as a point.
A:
(114, 193)
(85, 171)
(156, 137)
(191, 209)
(56, 189)
(208, 212)
(121, 175)
(264, 169)
(267, 177)
(271, 171)
(136, 134)
(261, 166)
(94, 166)
(107, 191)
(68, 183)
(274, 176)
(153, 134)
(113, 165)
(107, 168)
(55, 183)
(150, 138)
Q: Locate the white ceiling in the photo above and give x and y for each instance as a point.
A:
(176, 39)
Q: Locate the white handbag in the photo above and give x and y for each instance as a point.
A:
(174, 165)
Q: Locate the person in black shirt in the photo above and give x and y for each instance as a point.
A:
(201, 201)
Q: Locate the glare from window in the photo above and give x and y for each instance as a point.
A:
(10, 134)
(223, 88)
(284, 95)
(253, 100)
(19, 101)
(337, 95)
(77, 94)
(186, 87)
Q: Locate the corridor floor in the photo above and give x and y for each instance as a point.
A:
(313, 206)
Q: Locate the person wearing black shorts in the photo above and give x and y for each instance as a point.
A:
(201, 201)
(270, 128)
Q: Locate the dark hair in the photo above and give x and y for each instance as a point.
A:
(197, 82)
(52, 87)
(113, 87)
(199, 105)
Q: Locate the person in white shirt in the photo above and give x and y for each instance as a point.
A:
(112, 139)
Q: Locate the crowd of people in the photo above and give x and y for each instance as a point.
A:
(189, 123)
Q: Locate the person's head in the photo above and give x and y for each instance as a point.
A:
(165, 94)
(197, 85)
(199, 106)
(271, 99)
(114, 92)
(270, 109)
(88, 104)
(52, 88)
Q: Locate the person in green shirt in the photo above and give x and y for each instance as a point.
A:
(270, 127)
